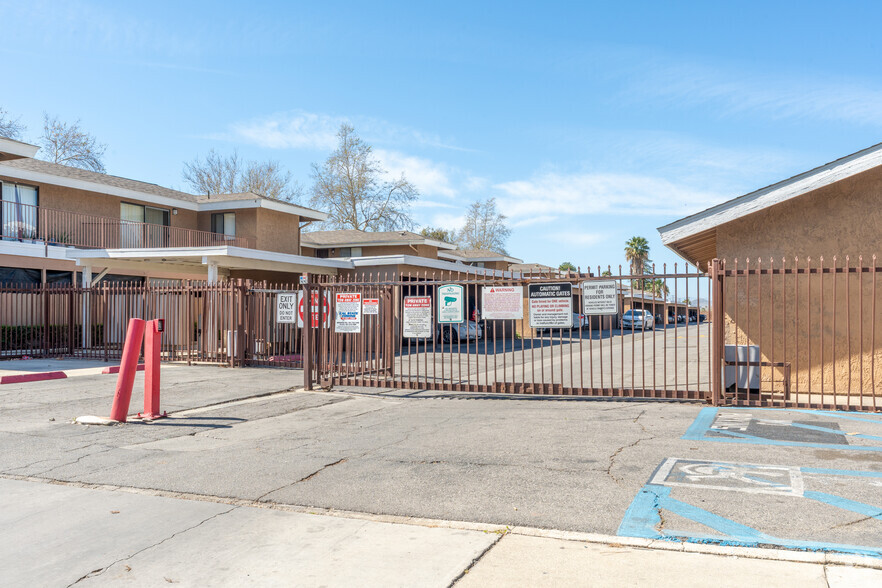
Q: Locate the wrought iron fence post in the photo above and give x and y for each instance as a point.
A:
(306, 340)
(716, 332)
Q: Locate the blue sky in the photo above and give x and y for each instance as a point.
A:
(589, 122)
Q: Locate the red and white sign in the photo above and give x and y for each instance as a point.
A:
(417, 319)
(347, 312)
(371, 306)
(325, 309)
(502, 302)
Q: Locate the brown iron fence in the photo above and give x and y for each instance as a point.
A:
(802, 332)
(774, 333)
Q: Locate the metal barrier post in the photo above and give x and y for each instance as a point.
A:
(152, 357)
(716, 333)
(306, 340)
(132, 349)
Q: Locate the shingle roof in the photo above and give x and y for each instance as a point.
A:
(65, 171)
(475, 253)
(354, 237)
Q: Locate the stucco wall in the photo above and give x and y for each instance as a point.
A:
(793, 318)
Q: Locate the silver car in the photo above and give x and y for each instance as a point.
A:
(466, 331)
(638, 319)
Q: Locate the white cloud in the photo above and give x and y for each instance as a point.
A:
(576, 238)
(430, 178)
(533, 220)
(600, 193)
(820, 96)
(448, 221)
(296, 130)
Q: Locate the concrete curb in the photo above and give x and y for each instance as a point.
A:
(33, 377)
(771, 554)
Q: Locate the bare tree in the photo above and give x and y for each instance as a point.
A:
(68, 144)
(484, 228)
(354, 188)
(10, 128)
(219, 174)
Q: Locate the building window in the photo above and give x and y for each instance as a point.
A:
(321, 253)
(224, 223)
(350, 252)
(143, 226)
(18, 212)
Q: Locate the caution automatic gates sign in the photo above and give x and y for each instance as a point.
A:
(551, 305)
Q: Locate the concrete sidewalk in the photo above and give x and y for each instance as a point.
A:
(61, 535)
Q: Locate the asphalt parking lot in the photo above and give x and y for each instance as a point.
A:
(674, 471)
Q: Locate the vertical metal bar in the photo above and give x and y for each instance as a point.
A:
(823, 322)
(717, 332)
(861, 324)
(848, 320)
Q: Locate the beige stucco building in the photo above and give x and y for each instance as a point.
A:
(801, 281)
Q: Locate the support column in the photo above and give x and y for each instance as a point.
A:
(212, 272)
(87, 307)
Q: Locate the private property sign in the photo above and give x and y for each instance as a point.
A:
(502, 302)
(600, 297)
(417, 317)
(450, 304)
(347, 309)
(551, 305)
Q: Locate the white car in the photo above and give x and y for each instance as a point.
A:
(638, 319)
(455, 332)
(580, 321)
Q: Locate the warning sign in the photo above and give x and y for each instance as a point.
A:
(371, 306)
(347, 312)
(417, 317)
(600, 297)
(502, 302)
(286, 307)
(551, 305)
(325, 309)
(450, 304)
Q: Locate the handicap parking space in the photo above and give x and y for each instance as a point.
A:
(792, 503)
(797, 428)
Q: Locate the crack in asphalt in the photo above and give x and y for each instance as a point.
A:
(615, 454)
(303, 479)
(100, 571)
(861, 520)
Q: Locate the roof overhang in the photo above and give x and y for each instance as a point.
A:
(198, 259)
(12, 149)
(453, 256)
(303, 213)
(694, 237)
(389, 243)
(425, 262)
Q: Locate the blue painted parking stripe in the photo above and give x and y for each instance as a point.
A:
(835, 431)
(844, 503)
(709, 519)
(642, 517)
(841, 472)
(702, 423)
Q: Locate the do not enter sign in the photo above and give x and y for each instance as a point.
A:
(325, 309)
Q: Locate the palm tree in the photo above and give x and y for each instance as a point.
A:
(637, 254)
(659, 288)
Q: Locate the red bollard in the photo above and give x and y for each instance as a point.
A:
(152, 347)
(129, 364)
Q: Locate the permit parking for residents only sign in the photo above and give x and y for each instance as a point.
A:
(451, 308)
(417, 317)
(551, 305)
(286, 307)
(371, 306)
(502, 302)
(600, 297)
(347, 312)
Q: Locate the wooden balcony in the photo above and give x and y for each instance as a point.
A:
(27, 223)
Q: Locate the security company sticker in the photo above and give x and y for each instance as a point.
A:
(502, 302)
(600, 297)
(451, 308)
(347, 312)
(417, 319)
(551, 305)
(371, 306)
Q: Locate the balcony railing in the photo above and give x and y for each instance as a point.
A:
(25, 222)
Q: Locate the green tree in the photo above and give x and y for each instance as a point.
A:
(637, 255)
(567, 266)
(658, 288)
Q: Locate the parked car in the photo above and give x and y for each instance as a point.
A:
(702, 318)
(638, 319)
(693, 318)
(466, 331)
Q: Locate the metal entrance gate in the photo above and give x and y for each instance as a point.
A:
(667, 356)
